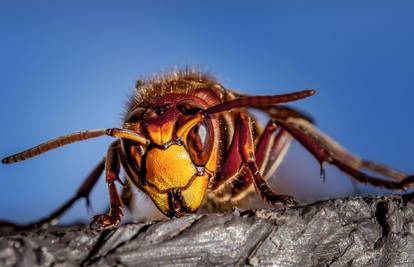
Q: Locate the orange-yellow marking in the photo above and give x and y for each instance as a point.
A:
(170, 168)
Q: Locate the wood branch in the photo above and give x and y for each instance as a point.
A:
(370, 231)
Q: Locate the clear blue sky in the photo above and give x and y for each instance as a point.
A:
(69, 66)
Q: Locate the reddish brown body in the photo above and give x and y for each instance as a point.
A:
(184, 134)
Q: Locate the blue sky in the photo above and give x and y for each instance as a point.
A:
(69, 66)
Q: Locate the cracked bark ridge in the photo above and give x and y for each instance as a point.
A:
(371, 231)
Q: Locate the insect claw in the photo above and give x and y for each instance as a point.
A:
(407, 182)
(107, 221)
(89, 207)
(322, 172)
(289, 202)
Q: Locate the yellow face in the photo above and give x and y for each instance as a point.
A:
(173, 181)
(175, 167)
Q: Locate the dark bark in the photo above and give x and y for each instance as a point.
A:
(352, 232)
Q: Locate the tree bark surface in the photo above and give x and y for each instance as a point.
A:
(370, 231)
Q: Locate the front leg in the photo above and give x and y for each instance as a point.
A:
(252, 170)
(114, 216)
(241, 163)
(270, 150)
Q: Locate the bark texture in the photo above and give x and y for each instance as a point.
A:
(344, 232)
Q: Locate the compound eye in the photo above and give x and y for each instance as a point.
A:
(198, 137)
(199, 141)
(188, 108)
(202, 133)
